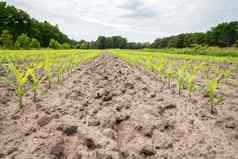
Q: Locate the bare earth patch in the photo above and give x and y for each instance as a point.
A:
(110, 110)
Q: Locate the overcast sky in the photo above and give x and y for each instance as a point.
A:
(138, 20)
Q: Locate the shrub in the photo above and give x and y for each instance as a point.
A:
(35, 43)
(54, 44)
(6, 39)
(66, 46)
(23, 41)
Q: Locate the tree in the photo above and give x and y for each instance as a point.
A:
(54, 44)
(101, 42)
(109, 42)
(236, 44)
(119, 42)
(35, 43)
(18, 21)
(223, 35)
(66, 46)
(6, 39)
(23, 41)
(85, 45)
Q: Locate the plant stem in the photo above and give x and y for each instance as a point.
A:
(49, 84)
(20, 106)
(34, 96)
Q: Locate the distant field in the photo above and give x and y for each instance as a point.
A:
(210, 51)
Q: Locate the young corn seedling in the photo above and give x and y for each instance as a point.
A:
(191, 77)
(226, 75)
(59, 70)
(190, 84)
(170, 73)
(35, 79)
(21, 78)
(181, 74)
(211, 90)
(48, 70)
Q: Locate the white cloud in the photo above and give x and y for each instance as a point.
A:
(139, 20)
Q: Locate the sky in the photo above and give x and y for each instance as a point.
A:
(138, 20)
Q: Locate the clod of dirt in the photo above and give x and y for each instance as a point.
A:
(162, 141)
(99, 93)
(231, 124)
(167, 126)
(57, 148)
(120, 118)
(44, 120)
(11, 150)
(128, 85)
(68, 130)
(147, 150)
(15, 117)
(170, 106)
(93, 122)
(4, 94)
(110, 133)
(89, 143)
(162, 110)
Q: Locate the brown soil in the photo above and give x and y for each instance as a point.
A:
(110, 110)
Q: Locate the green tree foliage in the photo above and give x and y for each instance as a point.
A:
(236, 44)
(66, 46)
(54, 44)
(34, 43)
(119, 42)
(85, 45)
(23, 41)
(18, 22)
(101, 42)
(114, 42)
(6, 39)
(223, 35)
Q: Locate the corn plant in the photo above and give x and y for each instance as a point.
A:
(48, 70)
(59, 70)
(21, 78)
(170, 73)
(35, 79)
(211, 90)
(180, 76)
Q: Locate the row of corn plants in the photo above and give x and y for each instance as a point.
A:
(26, 72)
(188, 74)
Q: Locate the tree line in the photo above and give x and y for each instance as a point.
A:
(18, 30)
(113, 42)
(222, 35)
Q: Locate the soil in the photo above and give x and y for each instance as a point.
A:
(110, 110)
